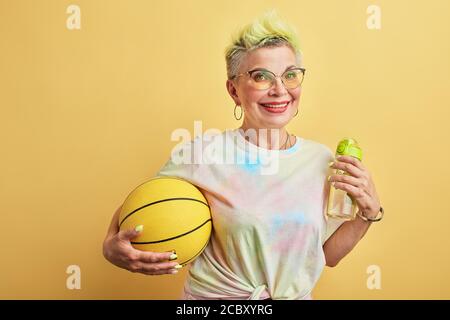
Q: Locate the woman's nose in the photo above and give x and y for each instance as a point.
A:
(278, 87)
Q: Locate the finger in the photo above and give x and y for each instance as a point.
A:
(157, 273)
(358, 194)
(156, 267)
(128, 234)
(155, 257)
(356, 182)
(349, 168)
(356, 162)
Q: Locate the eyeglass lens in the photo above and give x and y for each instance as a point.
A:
(262, 79)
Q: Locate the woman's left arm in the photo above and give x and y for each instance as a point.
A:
(358, 183)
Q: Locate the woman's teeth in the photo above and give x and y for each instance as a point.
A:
(275, 105)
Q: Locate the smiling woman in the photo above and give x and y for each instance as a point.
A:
(270, 237)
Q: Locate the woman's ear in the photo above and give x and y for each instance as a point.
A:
(233, 92)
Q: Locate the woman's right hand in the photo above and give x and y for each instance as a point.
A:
(118, 250)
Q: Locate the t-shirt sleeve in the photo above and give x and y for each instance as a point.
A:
(331, 226)
(185, 162)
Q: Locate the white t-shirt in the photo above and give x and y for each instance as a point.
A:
(268, 211)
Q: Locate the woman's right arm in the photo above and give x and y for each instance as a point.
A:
(117, 249)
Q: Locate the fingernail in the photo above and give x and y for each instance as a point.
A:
(173, 271)
(330, 163)
(139, 228)
(178, 266)
(173, 256)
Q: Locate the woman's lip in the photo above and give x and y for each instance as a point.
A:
(275, 109)
(277, 103)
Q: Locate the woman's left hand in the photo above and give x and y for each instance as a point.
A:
(358, 183)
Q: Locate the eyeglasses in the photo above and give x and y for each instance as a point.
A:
(262, 79)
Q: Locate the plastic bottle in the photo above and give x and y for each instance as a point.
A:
(340, 204)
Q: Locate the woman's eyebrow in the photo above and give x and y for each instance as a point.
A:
(259, 69)
(264, 69)
(290, 67)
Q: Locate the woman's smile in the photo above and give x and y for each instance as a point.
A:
(275, 107)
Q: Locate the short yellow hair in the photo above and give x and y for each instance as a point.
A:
(266, 31)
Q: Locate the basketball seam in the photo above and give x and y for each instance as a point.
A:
(155, 202)
(181, 235)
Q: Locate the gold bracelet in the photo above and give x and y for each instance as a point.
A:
(376, 219)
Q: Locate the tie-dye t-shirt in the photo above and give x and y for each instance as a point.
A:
(268, 216)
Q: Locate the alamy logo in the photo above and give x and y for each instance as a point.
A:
(374, 19)
(374, 279)
(73, 21)
(74, 279)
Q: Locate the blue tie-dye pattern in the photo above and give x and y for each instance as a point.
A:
(279, 220)
(249, 163)
(254, 162)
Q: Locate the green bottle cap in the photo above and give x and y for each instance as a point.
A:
(349, 147)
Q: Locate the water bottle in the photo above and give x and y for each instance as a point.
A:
(340, 204)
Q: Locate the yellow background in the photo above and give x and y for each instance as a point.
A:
(86, 115)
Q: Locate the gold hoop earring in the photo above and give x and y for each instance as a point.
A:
(296, 113)
(242, 112)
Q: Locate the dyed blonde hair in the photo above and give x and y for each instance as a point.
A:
(266, 31)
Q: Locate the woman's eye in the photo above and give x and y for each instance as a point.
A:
(260, 77)
(291, 75)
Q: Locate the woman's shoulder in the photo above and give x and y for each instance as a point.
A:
(313, 146)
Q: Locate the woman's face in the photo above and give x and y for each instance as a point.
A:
(255, 102)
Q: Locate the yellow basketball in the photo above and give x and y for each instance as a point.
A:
(175, 215)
